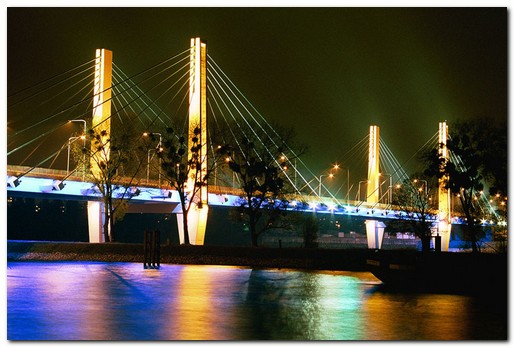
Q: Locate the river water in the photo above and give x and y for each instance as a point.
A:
(123, 301)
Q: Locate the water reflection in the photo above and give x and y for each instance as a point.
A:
(122, 301)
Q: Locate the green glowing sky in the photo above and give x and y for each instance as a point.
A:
(331, 71)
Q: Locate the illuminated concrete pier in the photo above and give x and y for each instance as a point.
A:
(444, 195)
(101, 122)
(374, 228)
(197, 215)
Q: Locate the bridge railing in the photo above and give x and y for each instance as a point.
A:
(16, 170)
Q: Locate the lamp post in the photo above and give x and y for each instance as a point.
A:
(359, 190)
(336, 166)
(158, 148)
(329, 175)
(83, 147)
(389, 189)
(70, 141)
(148, 166)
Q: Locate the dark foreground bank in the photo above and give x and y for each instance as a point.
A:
(294, 258)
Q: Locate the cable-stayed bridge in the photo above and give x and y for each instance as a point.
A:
(180, 91)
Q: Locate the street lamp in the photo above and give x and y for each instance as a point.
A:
(70, 141)
(336, 166)
(359, 190)
(426, 185)
(83, 147)
(329, 175)
(389, 189)
(158, 148)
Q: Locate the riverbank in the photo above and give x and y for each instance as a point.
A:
(294, 258)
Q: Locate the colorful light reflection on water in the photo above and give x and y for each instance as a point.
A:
(123, 301)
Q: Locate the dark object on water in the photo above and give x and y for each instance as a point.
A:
(152, 246)
(443, 272)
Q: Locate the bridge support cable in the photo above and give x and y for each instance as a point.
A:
(65, 111)
(270, 128)
(248, 125)
(266, 130)
(142, 100)
(52, 114)
(41, 84)
(57, 110)
(133, 77)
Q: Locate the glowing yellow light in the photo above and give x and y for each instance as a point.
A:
(331, 175)
(145, 134)
(336, 166)
(398, 185)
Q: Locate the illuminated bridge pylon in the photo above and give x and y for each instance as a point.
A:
(101, 121)
(198, 212)
(444, 194)
(374, 228)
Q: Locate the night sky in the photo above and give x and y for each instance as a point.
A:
(332, 72)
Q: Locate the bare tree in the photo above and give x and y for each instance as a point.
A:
(181, 164)
(414, 203)
(262, 177)
(114, 172)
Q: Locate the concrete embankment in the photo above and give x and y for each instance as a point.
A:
(295, 258)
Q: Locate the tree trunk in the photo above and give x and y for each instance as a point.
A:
(111, 226)
(425, 244)
(185, 225)
(253, 230)
(106, 223)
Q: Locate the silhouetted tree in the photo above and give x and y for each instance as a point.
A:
(477, 155)
(119, 164)
(414, 204)
(181, 167)
(262, 177)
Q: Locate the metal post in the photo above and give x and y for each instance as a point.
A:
(148, 166)
(68, 160)
(84, 147)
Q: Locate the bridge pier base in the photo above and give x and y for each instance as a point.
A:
(95, 219)
(196, 224)
(444, 230)
(374, 233)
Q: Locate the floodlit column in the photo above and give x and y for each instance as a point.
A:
(95, 219)
(102, 104)
(374, 228)
(101, 122)
(197, 216)
(372, 195)
(444, 195)
(374, 233)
